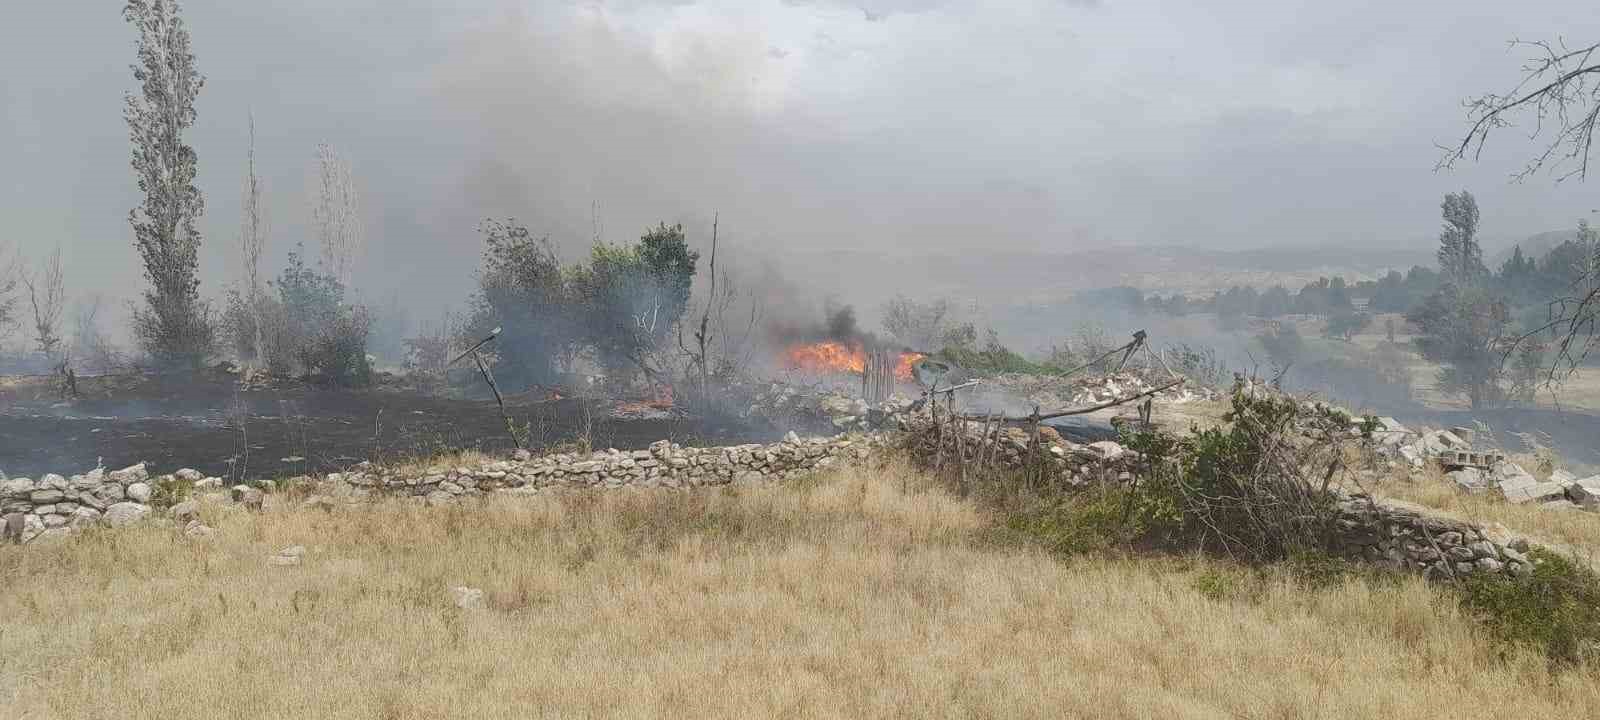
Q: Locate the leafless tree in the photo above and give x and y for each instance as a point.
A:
(922, 326)
(93, 349)
(252, 238)
(47, 294)
(337, 213)
(1560, 93)
(720, 349)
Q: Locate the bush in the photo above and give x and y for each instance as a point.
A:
(1074, 524)
(1251, 489)
(1555, 609)
(993, 358)
(311, 330)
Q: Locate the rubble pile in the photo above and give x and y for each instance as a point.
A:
(1095, 389)
(786, 405)
(1477, 471)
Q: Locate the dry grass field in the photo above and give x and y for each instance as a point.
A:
(861, 594)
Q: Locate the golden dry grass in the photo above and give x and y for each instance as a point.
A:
(848, 596)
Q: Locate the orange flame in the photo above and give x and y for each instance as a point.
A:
(828, 356)
(837, 357)
(902, 369)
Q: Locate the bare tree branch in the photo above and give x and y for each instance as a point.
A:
(1560, 88)
(337, 214)
(48, 294)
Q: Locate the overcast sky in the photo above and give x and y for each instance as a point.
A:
(1043, 125)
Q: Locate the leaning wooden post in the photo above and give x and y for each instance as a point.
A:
(938, 427)
(1033, 451)
(960, 427)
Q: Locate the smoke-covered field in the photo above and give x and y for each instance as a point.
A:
(211, 425)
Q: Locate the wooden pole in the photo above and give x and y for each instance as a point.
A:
(1033, 450)
(510, 427)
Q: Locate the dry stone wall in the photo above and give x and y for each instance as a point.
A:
(1408, 538)
(54, 505)
(1401, 536)
(663, 464)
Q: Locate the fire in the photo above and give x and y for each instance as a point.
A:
(829, 356)
(902, 369)
(837, 357)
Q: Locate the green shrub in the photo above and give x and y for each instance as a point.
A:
(168, 490)
(1556, 608)
(1071, 525)
(1246, 489)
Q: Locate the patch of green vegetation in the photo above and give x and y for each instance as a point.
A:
(167, 490)
(1227, 583)
(995, 359)
(1071, 525)
(1556, 608)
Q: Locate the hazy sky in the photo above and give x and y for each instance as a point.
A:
(1045, 125)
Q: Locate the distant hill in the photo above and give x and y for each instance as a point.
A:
(1535, 246)
(992, 277)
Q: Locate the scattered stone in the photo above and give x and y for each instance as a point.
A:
(85, 517)
(1107, 449)
(1469, 479)
(189, 475)
(210, 483)
(124, 513)
(1585, 492)
(1519, 486)
(139, 492)
(32, 527)
(521, 455)
(248, 497)
(16, 488)
(194, 530)
(129, 475)
(467, 598)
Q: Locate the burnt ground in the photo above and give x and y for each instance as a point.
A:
(211, 425)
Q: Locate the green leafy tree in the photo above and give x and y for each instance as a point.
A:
(1275, 302)
(326, 336)
(1390, 294)
(633, 298)
(1345, 325)
(523, 290)
(174, 326)
(1462, 324)
(1461, 329)
(1283, 344)
(1460, 256)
